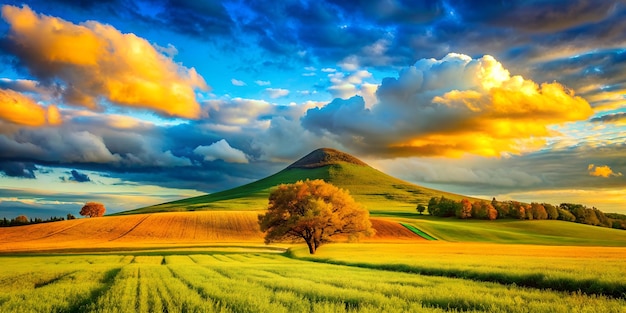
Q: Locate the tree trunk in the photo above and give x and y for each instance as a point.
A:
(312, 246)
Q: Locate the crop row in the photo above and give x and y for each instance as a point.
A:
(256, 283)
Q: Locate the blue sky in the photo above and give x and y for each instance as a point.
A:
(133, 103)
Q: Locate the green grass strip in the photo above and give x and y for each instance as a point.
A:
(418, 232)
(533, 280)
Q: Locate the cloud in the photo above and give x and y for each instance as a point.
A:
(276, 92)
(221, 150)
(79, 177)
(544, 16)
(20, 109)
(615, 118)
(450, 107)
(347, 85)
(18, 169)
(262, 82)
(237, 82)
(93, 61)
(602, 171)
(285, 140)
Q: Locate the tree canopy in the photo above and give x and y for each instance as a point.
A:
(93, 209)
(314, 211)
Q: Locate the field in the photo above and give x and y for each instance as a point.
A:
(158, 230)
(215, 261)
(257, 282)
(510, 231)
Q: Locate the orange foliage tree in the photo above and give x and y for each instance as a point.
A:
(314, 211)
(93, 209)
(22, 219)
(484, 210)
(465, 210)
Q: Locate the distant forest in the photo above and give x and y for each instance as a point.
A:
(481, 209)
(23, 220)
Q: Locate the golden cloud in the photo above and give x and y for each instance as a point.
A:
(451, 107)
(21, 109)
(602, 171)
(94, 61)
(499, 114)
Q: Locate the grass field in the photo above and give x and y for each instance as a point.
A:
(510, 231)
(253, 282)
(566, 268)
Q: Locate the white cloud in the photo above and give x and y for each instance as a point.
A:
(276, 92)
(347, 85)
(237, 82)
(221, 150)
(328, 70)
(262, 82)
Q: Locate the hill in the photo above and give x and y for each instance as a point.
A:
(377, 191)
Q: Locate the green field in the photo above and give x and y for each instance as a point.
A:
(511, 231)
(258, 282)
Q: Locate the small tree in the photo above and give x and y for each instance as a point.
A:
(21, 220)
(93, 209)
(420, 208)
(70, 216)
(312, 210)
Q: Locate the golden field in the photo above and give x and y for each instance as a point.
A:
(172, 229)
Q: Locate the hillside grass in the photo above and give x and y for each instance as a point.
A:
(245, 282)
(511, 231)
(376, 191)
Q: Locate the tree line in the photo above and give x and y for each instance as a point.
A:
(91, 209)
(24, 220)
(486, 210)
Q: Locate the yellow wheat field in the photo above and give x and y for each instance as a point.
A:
(174, 229)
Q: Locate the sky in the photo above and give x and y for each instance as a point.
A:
(134, 103)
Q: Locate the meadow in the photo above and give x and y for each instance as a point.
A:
(258, 282)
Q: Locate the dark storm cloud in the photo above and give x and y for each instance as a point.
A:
(392, 12)
(79, 177)
(18, 169)
(535, 16)
(201, 19)
(383, 33)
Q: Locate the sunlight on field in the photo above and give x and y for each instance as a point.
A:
(141, 230)
(244, 282)
(567, 267)
(158, 230)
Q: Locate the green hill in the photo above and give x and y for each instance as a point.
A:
(380, 193)
(513, 231)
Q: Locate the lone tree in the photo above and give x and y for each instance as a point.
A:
(312, 210)
(92, 209)
(420, 208)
